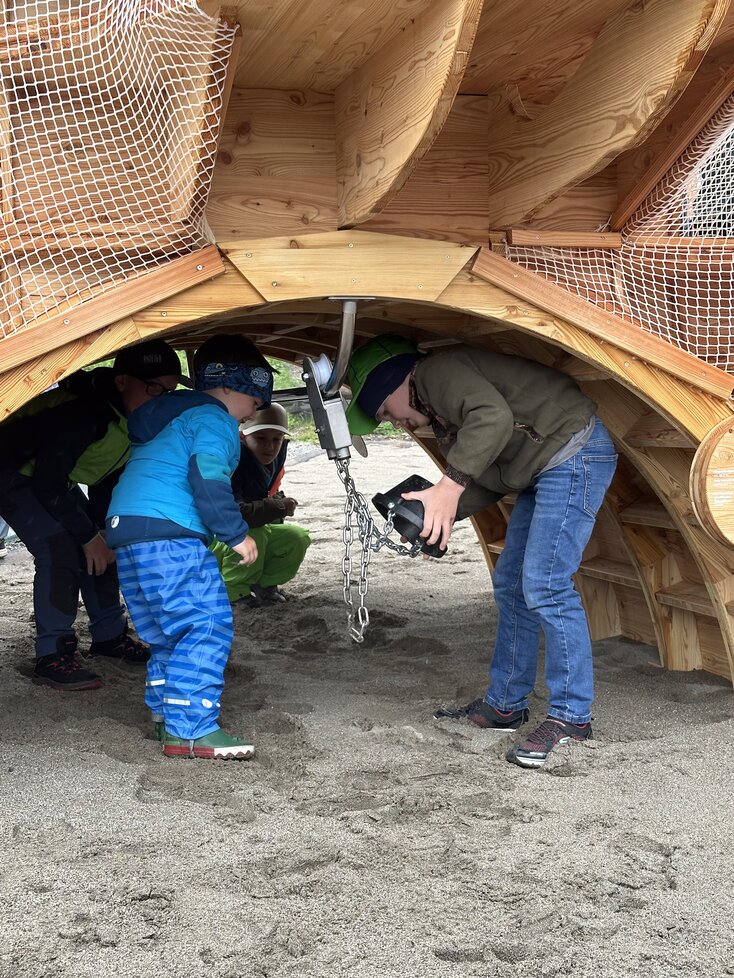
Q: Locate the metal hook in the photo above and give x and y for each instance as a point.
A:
(346, 341)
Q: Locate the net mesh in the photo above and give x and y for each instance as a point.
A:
(673, 274)
(109, 118)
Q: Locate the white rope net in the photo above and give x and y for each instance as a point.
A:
(109, 117)
(673, 275)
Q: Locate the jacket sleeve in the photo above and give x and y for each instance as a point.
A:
(474, 499)
(463, 397)
(100, 495)
(210, 470)
(263, 511)
(66, 436)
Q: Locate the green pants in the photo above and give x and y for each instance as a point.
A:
(281, 548)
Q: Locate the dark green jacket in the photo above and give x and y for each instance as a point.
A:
(497, 419)
(71, 435)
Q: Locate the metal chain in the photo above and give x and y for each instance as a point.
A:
(370, 540)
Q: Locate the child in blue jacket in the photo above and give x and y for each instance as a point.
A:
(174, 497)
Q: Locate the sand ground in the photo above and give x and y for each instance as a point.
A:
(367, 839)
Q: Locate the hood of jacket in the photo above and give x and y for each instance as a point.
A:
(151, 418)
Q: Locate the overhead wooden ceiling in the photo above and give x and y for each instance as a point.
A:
(534, 44)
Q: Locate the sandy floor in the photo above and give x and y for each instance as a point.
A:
(366, 839)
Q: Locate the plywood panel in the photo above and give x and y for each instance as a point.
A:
(446, 195)
(513, 36)
(276, 166)
(606, 108)
(312, 44)
(390, 110)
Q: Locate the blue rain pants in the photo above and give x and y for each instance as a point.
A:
(178, 603)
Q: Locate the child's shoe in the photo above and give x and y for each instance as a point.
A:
(159, 726)
(214, 746)
(269, 595)
(250, 600)
(124, 647)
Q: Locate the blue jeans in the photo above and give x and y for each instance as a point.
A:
(547, 533)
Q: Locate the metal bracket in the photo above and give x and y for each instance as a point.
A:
(324, 394)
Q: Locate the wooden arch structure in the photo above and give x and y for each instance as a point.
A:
(400, 151)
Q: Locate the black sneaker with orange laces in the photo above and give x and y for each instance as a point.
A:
(123, 647)
(483, 715)
(533, 751)
(62, 669)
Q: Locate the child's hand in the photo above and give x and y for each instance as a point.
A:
(98, 554)
(290, 505)
(440, 503)
(247, 551)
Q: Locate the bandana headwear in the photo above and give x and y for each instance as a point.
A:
(383, 380)
(244, 378)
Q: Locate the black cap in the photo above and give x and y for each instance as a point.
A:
(229, 348)
(154, 358)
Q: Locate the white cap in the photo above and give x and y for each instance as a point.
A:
(275, 417)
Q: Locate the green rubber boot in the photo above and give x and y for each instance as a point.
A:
(215, 746)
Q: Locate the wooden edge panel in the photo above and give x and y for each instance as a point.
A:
(19, 384)
(229, 16)
(359, 263)
(637, 68)
(53, 331)
(636, 341)
(389, 111)
(527, 237)
(665, 159)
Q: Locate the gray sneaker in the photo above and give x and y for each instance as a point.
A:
(533, 751)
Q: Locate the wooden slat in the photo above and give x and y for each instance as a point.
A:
(347, 263)
(7, 189)
(652, 430)
(563, 239)
(610, 570)
(234, 54)
(687, 596)
(26, 40)
(648, 514)
(636, 341)
(605, 108)
(150, 287)
(665, 159)
(91, 235)
(390, 110)
(658, 242)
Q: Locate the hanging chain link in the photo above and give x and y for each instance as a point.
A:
(370, 540)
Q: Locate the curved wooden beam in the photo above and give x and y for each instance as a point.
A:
(389, 111)
(606, 108)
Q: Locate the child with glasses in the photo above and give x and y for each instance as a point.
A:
(76, 434)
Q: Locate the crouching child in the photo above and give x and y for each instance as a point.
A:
(256, 483)
(173, 498)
